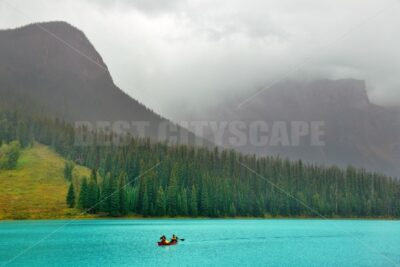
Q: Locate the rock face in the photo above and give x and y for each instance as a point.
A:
(356, 131)
(54, 65)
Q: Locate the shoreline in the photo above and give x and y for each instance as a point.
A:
(139, 217)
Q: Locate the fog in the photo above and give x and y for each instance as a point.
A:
(181, 57)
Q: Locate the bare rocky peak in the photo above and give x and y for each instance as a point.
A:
(350, 92)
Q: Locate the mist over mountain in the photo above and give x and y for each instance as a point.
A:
(355, 131)
(55, 66)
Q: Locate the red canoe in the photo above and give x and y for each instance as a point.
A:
(162, 243)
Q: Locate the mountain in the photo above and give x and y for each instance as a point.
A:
(355, 131)
(56, 67)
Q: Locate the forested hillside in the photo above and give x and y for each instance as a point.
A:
(35, 187)
(155, 179)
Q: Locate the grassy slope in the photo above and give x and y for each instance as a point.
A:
(36, 189)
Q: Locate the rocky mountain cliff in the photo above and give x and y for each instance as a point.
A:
(356, 131)
(54, 65)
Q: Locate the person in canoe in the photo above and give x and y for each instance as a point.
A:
(174, 238)
(164, 240)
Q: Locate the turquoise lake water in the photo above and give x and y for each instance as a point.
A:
(208, 243)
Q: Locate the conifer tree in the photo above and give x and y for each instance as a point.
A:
(83, 200)
(160, 202)
(93, 175)
(114, 196)
(204, 202)
(105, 205)
(71, 196)
(123, 207)
(93, 196)
(68, 170)
(193, 202)
(9, 155)
(172, 193)
(232, 210)
(145, 203)
(184, 204)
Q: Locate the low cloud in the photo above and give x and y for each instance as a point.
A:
(188, 55)
(153, 7)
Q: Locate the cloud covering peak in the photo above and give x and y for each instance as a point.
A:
(179, 54)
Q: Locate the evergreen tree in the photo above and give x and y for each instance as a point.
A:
(68, 170)
(71, 196)
(232, 210)
(9, 155)
(115, 208)
(184, 204)
(160, 202)
(106, 191)
(83, 201)
(123, 205)
(93, 196)
(204, 202)
(172, 193)
(93, 175)
(193, 202)
(145, 203)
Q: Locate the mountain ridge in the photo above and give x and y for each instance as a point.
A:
(55, 64)
(357, 131)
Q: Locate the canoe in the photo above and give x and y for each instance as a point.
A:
(161, 243)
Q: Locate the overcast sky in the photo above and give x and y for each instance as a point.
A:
(184, 55)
